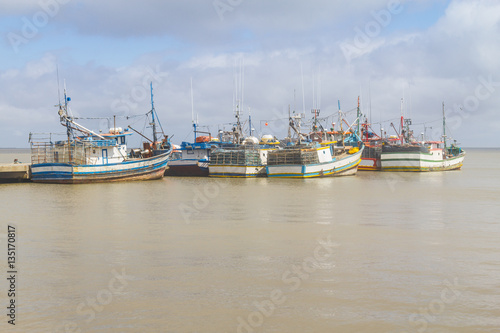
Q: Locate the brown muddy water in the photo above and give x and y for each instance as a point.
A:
(376, 252)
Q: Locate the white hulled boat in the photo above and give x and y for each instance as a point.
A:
(412, 155)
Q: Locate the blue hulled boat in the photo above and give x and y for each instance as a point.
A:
(90, 157)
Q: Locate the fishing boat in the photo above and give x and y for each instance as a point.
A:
(324, 155)
(370, 158)
(192, 158)
(411, 155)
(314, 160)
(90, 157)
(428, 156)
(160, 143)
(245, 157)
(246, 160)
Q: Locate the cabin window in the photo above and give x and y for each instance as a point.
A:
(190, 151)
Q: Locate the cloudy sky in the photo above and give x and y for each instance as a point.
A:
(268, 54)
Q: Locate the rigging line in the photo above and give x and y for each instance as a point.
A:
(134, 116)
(273, 119)
(390, 119)
(117, 116)
(185, 138)
(428, 122)
(90, 118)
(159, 123)
(232, 123)
(135, 121)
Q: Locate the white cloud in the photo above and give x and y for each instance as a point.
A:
(278, 44)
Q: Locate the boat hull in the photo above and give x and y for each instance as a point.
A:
(187, 168)
(64, 173)
(340, 167)
(239, 171)
(420, 161)
(369, 164)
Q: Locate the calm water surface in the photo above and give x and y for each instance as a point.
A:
(378, 252)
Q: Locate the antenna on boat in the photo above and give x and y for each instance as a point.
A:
(340, 122)
(409, 92)
(319, 88)
(303, 95)
(58, 85)
(242, 79)
(314, 96)
(294, 104)
(153, 116)
(289, 119)
(63, 113)
(370, 99)
(340, 117)
(358, 121)
(402, 120)
(238, 100)
(249, 122)
(192, 111)
(444, 127)
(237, 113)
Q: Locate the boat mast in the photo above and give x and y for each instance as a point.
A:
(192, 112)
(68, 128)
(340, 122)
(249, 122)
(238, 124)
(316, 114)
(289, 121)
(153, 117)
(359, 118)
(298, 128)
(444, 128)
(402, 121)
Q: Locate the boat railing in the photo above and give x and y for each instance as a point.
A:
(292, 157)
(235, 156)
(74, 152)
(372, 152)
(101, 143)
